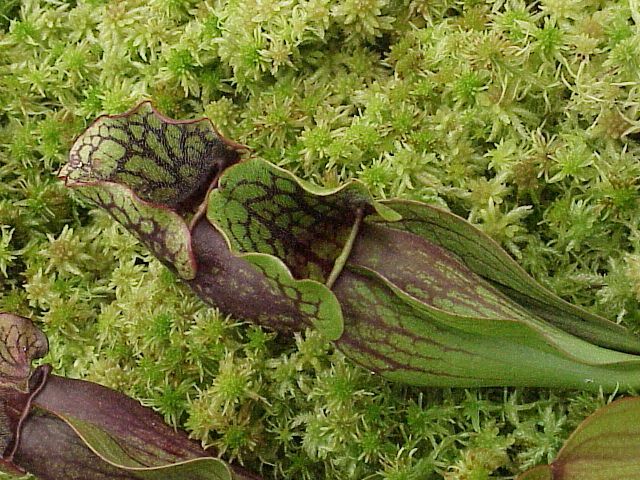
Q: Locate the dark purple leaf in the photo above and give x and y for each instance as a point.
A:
(58, 428)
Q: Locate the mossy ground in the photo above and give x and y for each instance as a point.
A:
(523, 117)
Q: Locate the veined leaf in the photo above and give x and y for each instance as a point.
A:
(485, 258)
(606, 446)
(389, 333)
(148, 171)
(264, 209)
(292, 231)
(164, 161)
(162, 230)
(237, 285)
(20, 343)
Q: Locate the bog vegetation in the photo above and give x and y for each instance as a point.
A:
(521, 117)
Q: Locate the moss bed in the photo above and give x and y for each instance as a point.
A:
(523, 117)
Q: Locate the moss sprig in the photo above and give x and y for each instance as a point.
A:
(520, 117)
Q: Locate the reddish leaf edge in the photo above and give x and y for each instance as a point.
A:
(554, 470)
(37, 382)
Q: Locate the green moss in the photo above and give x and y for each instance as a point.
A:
(520, 117)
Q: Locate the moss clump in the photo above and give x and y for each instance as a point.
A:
(519, 116)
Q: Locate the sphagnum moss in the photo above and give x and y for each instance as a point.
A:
(521, 117)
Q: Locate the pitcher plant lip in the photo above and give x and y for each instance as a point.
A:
(168, 120)
(151, 176)
(86, 174)
(20, 343)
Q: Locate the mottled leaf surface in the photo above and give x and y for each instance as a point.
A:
(291, 231)
(311, 298)
(164, 161)
(407, 290)
(387, 332)
(430, 273)
(264, 209)
(148, 171)
(485, 258)
(606, 446)
(20, 343)
(235, 285)
(163, 231)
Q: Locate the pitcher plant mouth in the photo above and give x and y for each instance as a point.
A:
(402, 288)
(152, 174)
(20, 343)
(164, 162)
